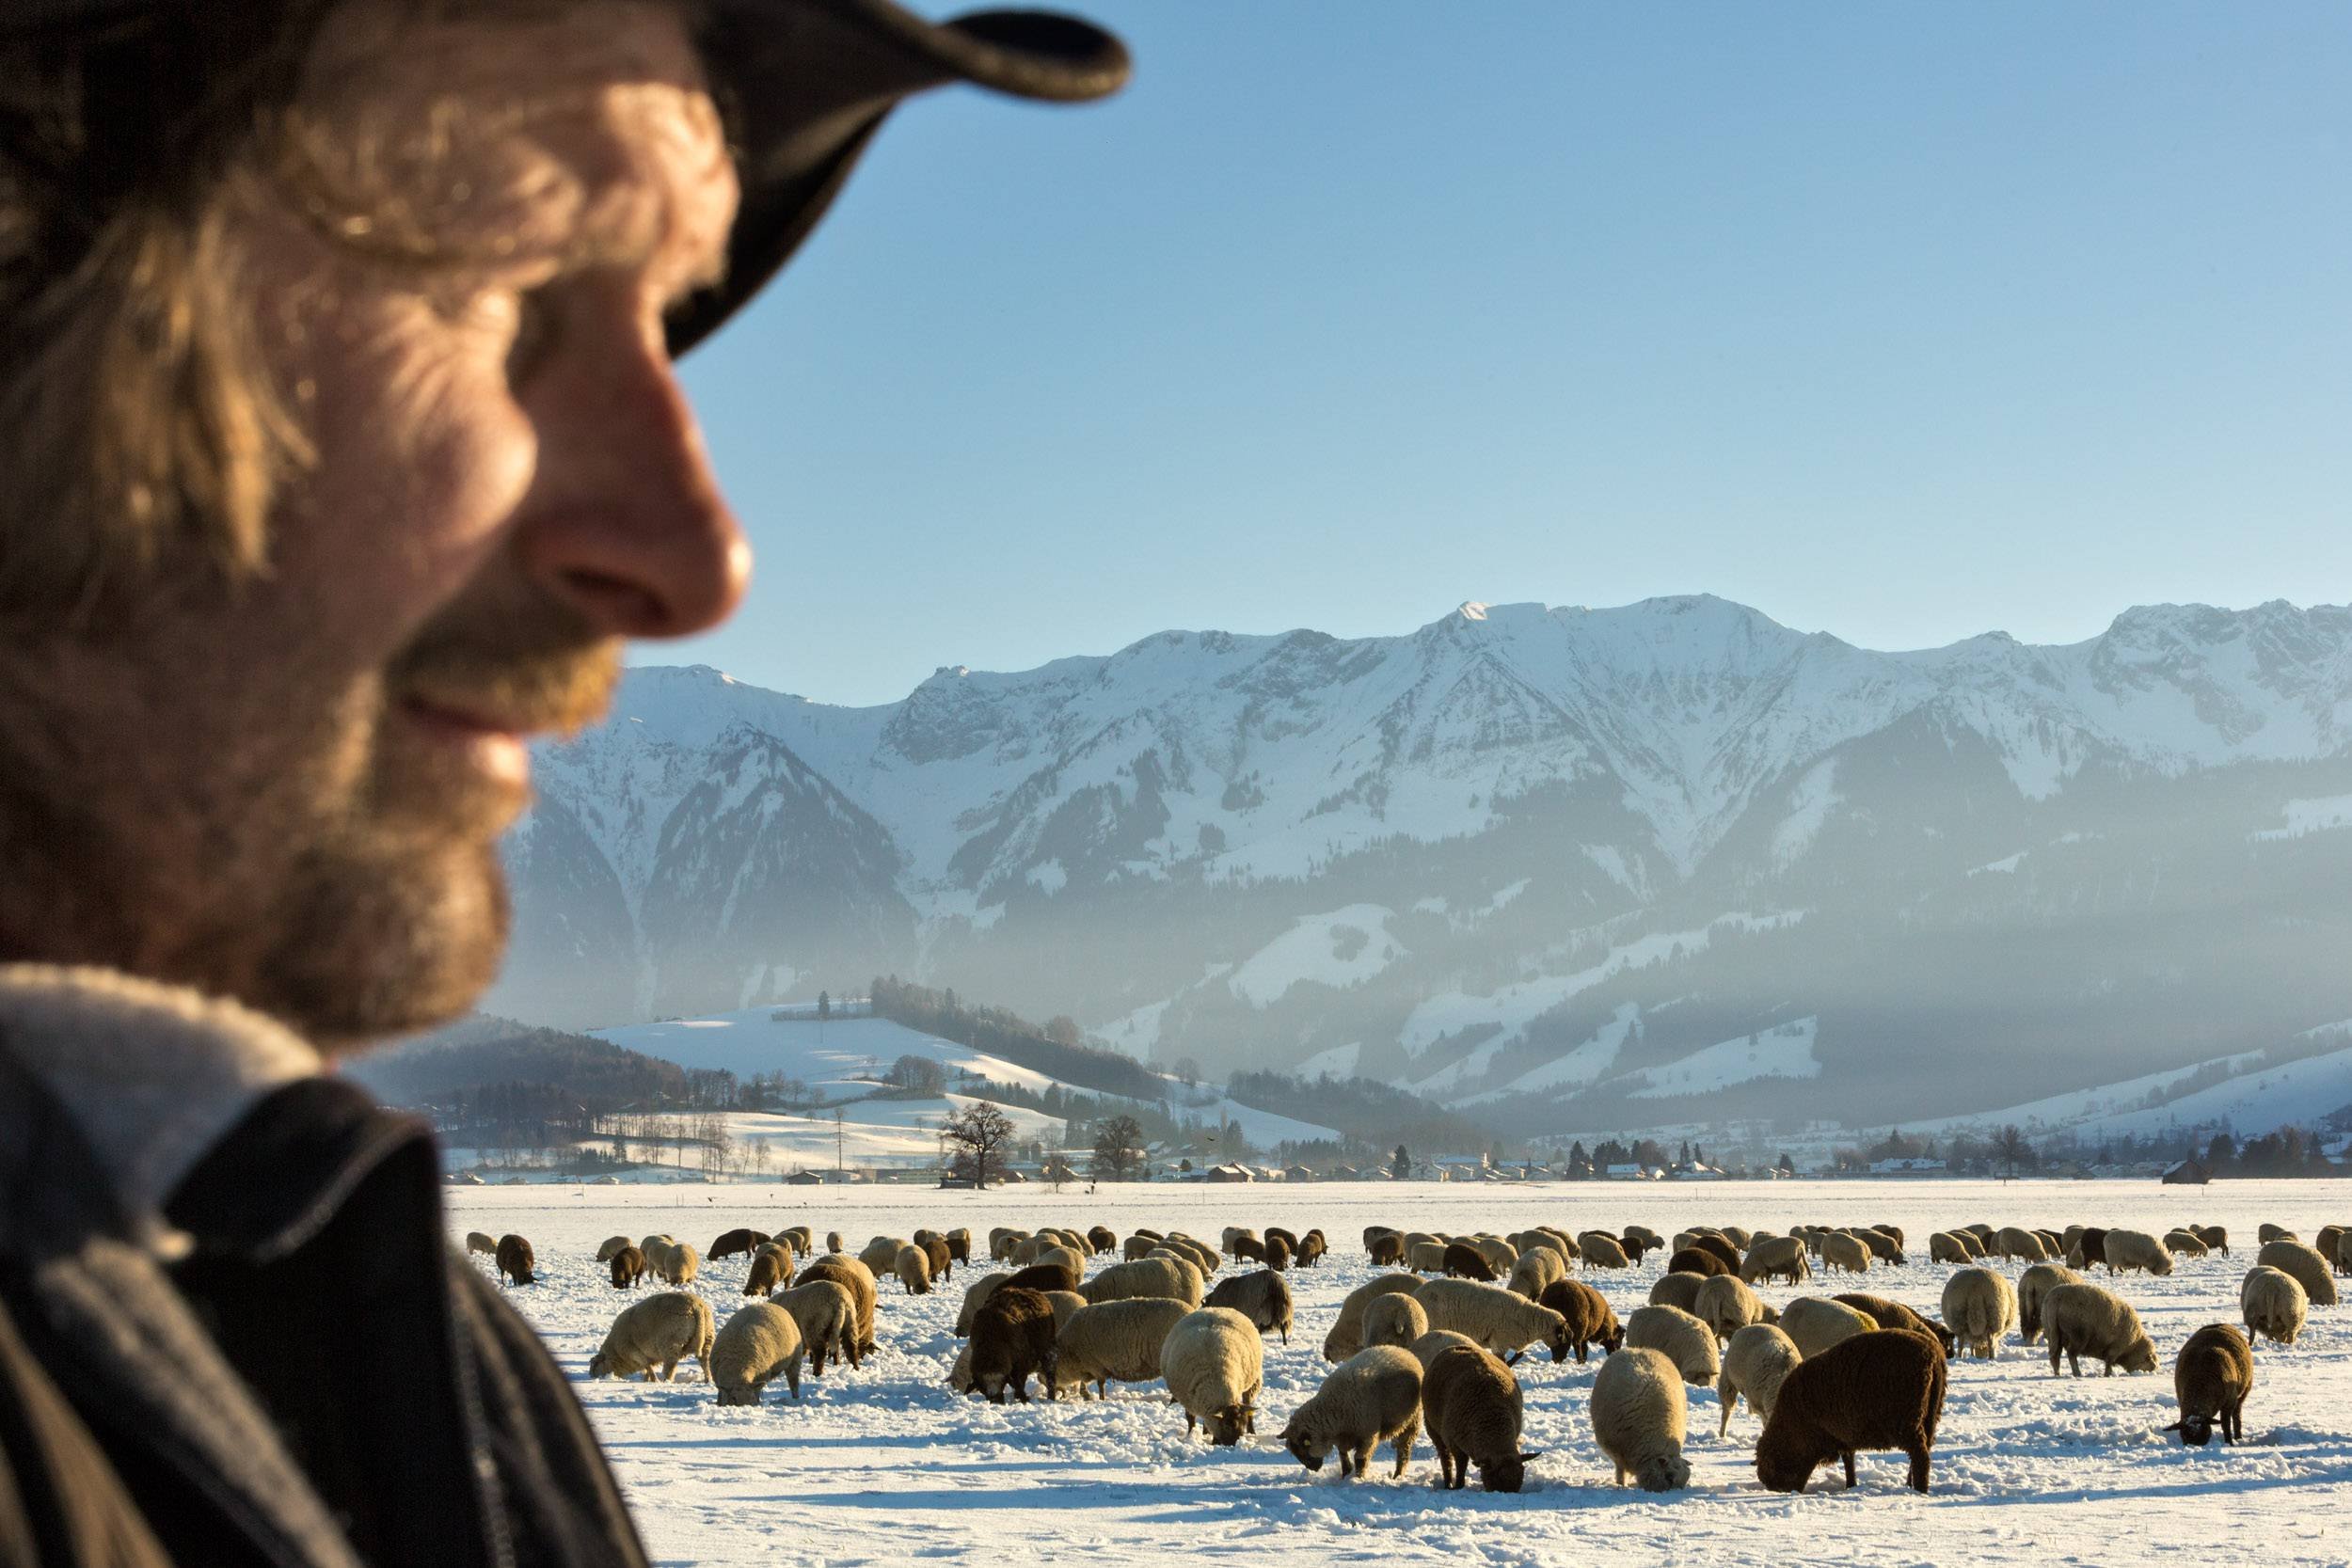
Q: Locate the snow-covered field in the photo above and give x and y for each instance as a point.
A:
(883, 1465)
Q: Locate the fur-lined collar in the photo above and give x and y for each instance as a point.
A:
(153, 1074)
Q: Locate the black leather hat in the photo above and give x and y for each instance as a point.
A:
(805, 84)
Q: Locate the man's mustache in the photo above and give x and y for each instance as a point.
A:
(552, 674)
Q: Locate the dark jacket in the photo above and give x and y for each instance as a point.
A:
(313, 1380)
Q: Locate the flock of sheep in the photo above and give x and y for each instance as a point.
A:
(1434, 1345)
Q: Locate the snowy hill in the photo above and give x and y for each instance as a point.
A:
(1557, 864)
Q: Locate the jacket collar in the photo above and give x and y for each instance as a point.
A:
(153, 1075)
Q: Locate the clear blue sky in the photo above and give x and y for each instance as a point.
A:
(1898, 322)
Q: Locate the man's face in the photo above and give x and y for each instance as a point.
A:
(289, 793)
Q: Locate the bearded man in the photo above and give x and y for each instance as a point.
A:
(340, 452)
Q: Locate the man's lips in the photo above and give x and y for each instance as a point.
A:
(494, 743)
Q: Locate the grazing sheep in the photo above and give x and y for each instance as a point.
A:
(1648, 1238)
(2210, 1378)
(1461, 1260)
(1215, 1368)
(1978, 1306)
(1233, 1235)
(676, 1262)
(605, 1251)
(1013, 1339)
(881, 1255)
(833, 1242)
(2216, 1238)
(1139, 1245)
(855, 1277)
(975, 1294)
(754, 1346)
(2031, 1286)
(1148, 1276)
(1248, 1249)
(1395, 1319)
(1640, 1413)
(1697, 1260)
(1537, 1267)
(799, 1238)
(1893, 1314)
(1348, 1333)
(1756, 1361)
(1719, 1247)
(1429, 1257)
(2089, 1248)
(1311, 1246)
(1587, 1315)
(1002, 1240)
(827, 1313)
(1058, 1252)
(1277, 1254)
(2288, 1256)
(2184, 1243)
(2126, 1250)
(942, 1262)
(629, 1267)
(1262, 1296)
(1816, 1323)
(517, 1263)
(1050, 1276)
(1493, 1316)
(1680, 1288)
(2327, 1243)
(2088, 1319)
(1974, 1244)
(1199, 1255)
(2267, 1233)
(730, 1242)
(1602, 1250)
(1726, 1306)
(1776, 1258)
(1436, 1342)
(2272, 1302)
(913, 1267)
(1101, 1238)
(1686, 1342)
(1387, 1251)
(656, 1333)
(487, 1246)
(1472, 1409)
(1841, 1251)
(1372, 1398)
(1946, 1247)
(1884, 1389)
(2015, 1243)
(771, 1268)
(1067, 1304)
(1114, 1341)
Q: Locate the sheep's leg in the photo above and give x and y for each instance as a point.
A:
(1404, 1444)
(1918, 1467)
(1729, 1399)
(1848, 1457)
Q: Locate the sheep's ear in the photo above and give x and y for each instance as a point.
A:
(1536, 1453)
(1513, 1358)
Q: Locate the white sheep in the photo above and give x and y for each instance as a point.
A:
(604, 1252)
(827, 1313)
(754, 1346)
(2127, 1250)
(1815, 1323)
(2087, 1320)
(975, 1296)
(2031, 1287)
(1726, 1306)
(1978, 1307)
(1684, 1341)
(1114, 1341)
(1372, 1398)
(1172, 1278)
(1214, 1367)
(1348, 1333)
(1639, 1415)
(1427, 1348)
(1499, 1320)
(1602, 1250)
(1393, 1319)
(1538, 1266)
(1759, 1357)
(2308, 1269)
(881, 1255)
(1841, 1251)
(2015, 1242)
(1775, 1258)
(2273, 1302)
(656, 1333)
(913, 1266)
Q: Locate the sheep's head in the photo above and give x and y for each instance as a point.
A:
(1668, 1472)
(1305, 1447)
(1507, 1472)
(1227, 1425)
(745, 1395)
(2196, 1431)
(1781, 1465)
(1615, 1341)
(2139, 1357)
(601, 1365)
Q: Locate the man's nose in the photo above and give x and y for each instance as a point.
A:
(633, 531)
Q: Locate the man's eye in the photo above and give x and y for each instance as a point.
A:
(535, 323)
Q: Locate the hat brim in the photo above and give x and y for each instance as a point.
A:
(806, 83)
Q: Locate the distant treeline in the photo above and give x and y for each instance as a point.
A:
(1016, 1040)
(538, 1074)
(1361, 1109)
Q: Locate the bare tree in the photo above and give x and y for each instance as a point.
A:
(2013, 1149)
(1118, 1149)
(975, 1134)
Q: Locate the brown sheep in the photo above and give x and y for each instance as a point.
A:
(629, 1267)
(1044, 1277)
(732, 1242)
(1590, 1320)
(1013, 1339)
(1387, 1251)
(2211, 1377)
(1277, 1254)
(1465, 1261)
(1893, 1314)
(771, 1268)
(1698, 1261)
(943, 1259)
(1472, 1410)
(514, 1259)
(2090, 1247)
(856, 1278)
(1249, 1247)
(1720, 1247)
(1101, 1238)
(1883, 1389)
(1311, 1246)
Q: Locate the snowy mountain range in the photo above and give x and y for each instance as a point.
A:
(1577, 869)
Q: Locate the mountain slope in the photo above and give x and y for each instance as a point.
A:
(1556, 863)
